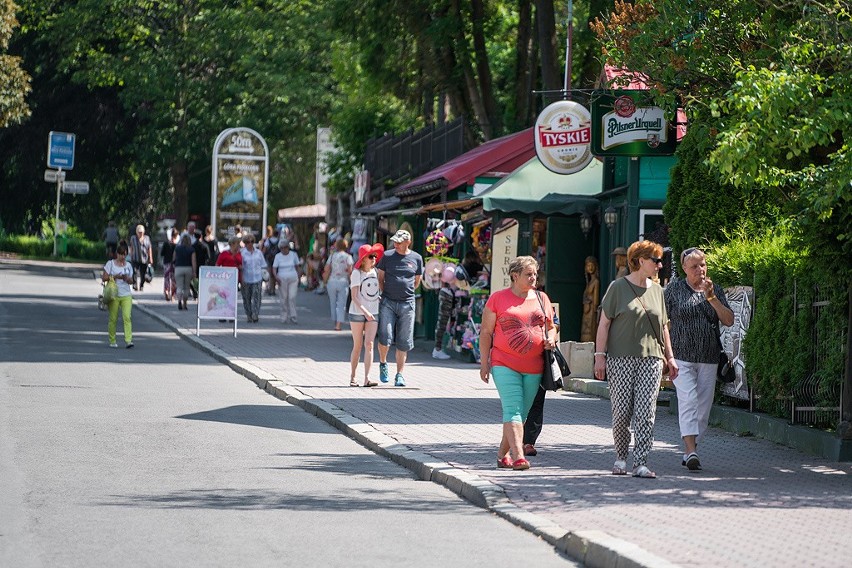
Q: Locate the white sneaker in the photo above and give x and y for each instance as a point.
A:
(438, 354)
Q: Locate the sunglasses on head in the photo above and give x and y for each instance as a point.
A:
(686, 253)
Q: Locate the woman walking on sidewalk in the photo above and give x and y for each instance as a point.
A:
(336, 279)
(122, 272)
(632, 344)
(695, 306)
(364, 309)
(287, 271)
(517, 326)
(167, 254)
(185, 267)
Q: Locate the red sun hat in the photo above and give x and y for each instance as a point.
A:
(366, 250)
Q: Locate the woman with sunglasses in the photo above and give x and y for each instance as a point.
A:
(631, 347)
(364, 309)
(696, 306)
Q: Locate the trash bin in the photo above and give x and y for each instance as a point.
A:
(61, 245)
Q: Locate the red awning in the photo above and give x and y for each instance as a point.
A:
(497, 157)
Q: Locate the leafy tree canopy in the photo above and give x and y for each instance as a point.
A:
(14, 81)
(769, 84)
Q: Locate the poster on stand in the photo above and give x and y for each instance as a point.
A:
(217, 294)
(239, 185)
(503, 252)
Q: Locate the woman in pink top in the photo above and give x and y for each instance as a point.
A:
(517, 326)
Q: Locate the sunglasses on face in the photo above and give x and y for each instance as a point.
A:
(655, 260)
(372, 256)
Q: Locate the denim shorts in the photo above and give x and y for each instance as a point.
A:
(396, 324)
(358, 318)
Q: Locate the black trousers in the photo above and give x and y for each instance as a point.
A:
(140, 269)
(535, 419)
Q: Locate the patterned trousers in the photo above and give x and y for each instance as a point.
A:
(251, 299)
(634, 383)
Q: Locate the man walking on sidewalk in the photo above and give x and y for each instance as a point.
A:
(400, 272)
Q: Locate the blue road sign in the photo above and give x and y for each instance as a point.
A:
(60, 150)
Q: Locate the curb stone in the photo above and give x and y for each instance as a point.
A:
(595, 549)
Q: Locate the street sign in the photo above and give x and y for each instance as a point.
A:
(81, 187)
(60, 150)
(52, 176)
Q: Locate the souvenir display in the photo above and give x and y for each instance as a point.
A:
(437, 244)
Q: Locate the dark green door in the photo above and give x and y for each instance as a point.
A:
(567, 250)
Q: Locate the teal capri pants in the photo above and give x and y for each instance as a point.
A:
(517, 391)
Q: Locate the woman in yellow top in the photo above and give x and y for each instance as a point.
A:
(632, 344)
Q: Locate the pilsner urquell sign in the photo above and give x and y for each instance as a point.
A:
(621, 126)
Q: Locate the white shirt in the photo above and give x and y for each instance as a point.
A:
(114, 269)
(367, 286)
(340, 263)
(254, 264)
(285, 265)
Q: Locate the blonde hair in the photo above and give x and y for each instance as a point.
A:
(519, 264)
(642, 249)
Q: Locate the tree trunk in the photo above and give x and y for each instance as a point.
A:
(523, 49)
(483, 69)
(180, 185)
(546, 27)
(471, 88)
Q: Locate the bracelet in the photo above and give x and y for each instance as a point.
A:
(711, 298)
(600, 353)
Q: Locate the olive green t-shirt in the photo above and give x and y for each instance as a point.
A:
(630, 332)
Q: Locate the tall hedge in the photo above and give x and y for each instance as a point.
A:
(780, 348)
(700, 210)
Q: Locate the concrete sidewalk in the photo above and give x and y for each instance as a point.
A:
(754, 504)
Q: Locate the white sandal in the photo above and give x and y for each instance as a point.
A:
(644, 472)
(619, 467)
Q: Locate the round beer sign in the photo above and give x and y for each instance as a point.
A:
(563, 136)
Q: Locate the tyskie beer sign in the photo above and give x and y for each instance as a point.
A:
(563, 136)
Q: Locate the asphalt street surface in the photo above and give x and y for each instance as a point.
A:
(162, 456)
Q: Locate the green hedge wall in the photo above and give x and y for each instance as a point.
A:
(780, 345)
(35, 247)
(700, 210)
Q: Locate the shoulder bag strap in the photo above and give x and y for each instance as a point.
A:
(650, 321)
(543, 311)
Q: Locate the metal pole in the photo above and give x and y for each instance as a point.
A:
(568, 40)
(56, 221)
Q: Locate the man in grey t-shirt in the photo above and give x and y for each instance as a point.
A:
(399, 273)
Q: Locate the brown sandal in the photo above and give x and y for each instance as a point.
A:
(370, 384)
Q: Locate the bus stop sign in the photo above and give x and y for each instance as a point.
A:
(60, 150)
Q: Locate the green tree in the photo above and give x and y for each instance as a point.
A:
(187, 70)
(770, 82)
(14, 81)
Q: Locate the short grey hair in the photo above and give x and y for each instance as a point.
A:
(519, 264)
(234, 240)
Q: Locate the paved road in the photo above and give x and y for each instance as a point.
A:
(162, 456)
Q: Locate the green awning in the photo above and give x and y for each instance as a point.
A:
(532, 188)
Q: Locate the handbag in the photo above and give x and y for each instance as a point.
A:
(110, 291)
(149, 274)
(725, 372)
(555, 365)
(660, 341)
